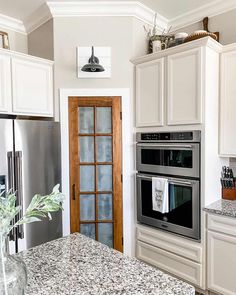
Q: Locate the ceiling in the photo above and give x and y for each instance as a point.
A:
(168, 8)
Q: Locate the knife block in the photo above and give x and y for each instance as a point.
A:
(229, 194)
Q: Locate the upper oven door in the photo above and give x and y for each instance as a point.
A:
(169, 159)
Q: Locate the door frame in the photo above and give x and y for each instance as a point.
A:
(128, 148)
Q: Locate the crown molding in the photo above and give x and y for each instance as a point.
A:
(211, 9)
(37, 18)
(107, 8)
(13, 24)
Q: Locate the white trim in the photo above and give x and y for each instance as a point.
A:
(107, 8)
(13, 24)
(127, 161)
(37, 18)
(211, 9)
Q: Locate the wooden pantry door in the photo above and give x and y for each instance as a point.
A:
(95, 169)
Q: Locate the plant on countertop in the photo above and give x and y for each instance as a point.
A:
(39, 208)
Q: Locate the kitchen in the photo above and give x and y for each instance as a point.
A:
(175, 103)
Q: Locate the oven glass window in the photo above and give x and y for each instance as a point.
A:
(180, 204)
(171, 158)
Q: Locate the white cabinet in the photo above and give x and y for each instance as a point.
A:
(149, 93)
(184, 87)
(32, 87)
(26, 85)
(221, 249)
(228, 102)
(5, 84)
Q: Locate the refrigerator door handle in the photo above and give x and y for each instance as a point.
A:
(18, 173)
(10, 168)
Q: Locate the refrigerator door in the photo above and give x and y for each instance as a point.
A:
(7, 165)
(38, 169)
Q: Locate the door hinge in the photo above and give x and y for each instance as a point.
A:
(122, 241)
(121, 177)
(121, 115)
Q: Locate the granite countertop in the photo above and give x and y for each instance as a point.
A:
(222, 207)
(78, 265)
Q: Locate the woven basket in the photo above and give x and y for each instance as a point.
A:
(196, 36)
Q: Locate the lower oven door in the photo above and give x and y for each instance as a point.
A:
(183, 217)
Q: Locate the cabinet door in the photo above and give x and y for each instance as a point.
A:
(228, 104)
(149, 93)
(32, 87)
(5, 84)
(184, 87)
(221, 263)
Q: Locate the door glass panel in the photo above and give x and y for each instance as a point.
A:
(86, 144)
(105, 233)
(87, 183)
(105, 207)
(103, 122)
(86, 120)
(104, 148)
(88, 230)
(104, 177)
(87, 207)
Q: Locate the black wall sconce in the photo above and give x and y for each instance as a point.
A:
(93, 64)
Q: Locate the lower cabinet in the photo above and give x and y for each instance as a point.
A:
(175, 255)
(221, 256)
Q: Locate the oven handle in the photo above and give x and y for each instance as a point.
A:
(187, 146)
(170, 182)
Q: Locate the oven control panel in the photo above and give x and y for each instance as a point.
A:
(170, 136)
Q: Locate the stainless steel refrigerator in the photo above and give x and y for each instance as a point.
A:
(30, 163)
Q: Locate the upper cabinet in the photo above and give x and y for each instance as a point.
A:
(174, 86)
(228, 102)
(26, 85)
(150, 93)
(5, 84)
(184, 87)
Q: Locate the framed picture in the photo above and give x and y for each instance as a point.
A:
(4, 43)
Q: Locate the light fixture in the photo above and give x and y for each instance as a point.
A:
(93, 64)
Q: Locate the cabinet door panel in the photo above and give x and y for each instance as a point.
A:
(5, 84)
(32, 87)
(184, 87)
(149, 93)
(228, 104)
(221, 263)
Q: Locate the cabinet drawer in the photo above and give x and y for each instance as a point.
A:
(176, 265)
(225, 225)
(176, 245)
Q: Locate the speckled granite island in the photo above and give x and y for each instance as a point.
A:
(222, 207)
(77, 265)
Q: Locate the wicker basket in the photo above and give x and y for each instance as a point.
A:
(199, 35)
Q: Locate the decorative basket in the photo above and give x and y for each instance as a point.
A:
(198, 35)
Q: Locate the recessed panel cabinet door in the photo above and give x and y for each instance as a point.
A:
(184, 87)
(32, 87)
(228, 104)
(149, 93)
(221, 263)
(5, 84)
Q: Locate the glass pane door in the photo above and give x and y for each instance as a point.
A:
(96, 173)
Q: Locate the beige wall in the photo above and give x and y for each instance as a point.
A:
(223, 23)
(18, 41)
(115, 32)
(40, 41)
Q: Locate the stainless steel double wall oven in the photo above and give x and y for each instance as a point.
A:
(175, 156)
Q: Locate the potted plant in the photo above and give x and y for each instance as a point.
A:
(13, 275)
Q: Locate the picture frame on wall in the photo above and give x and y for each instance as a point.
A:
(4, 43)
